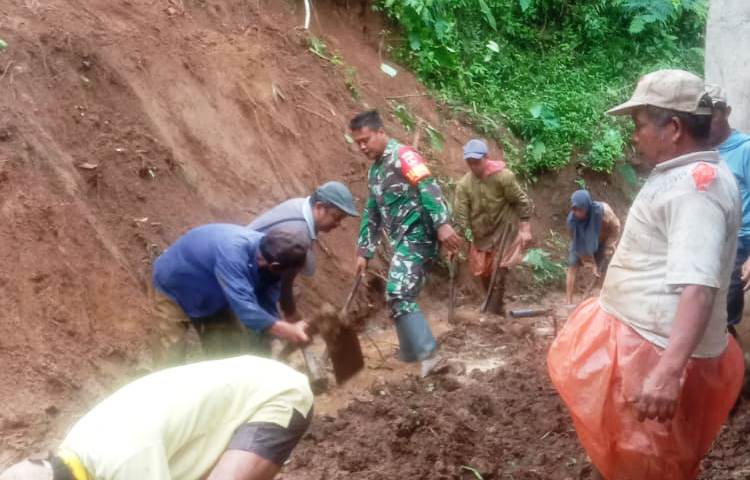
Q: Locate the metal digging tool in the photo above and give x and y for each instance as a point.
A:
(530, 312)
(343, 342)
(451, 289)
(496, 266)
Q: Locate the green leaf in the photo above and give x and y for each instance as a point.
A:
(492, 45)
(414, 41)
(536, 150)
(487, 14)
(403, 115)
(637, 25)
(437, 142)
(525, 4)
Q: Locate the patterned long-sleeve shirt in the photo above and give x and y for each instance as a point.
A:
(402, 193)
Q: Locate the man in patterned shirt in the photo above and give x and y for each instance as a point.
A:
(406, 202)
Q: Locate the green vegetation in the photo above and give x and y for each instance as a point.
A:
(318, 47)
(544, 269)
(546, 70)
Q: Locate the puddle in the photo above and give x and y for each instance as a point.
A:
(483, 364)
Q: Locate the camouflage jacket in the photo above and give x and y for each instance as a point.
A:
(402, 195)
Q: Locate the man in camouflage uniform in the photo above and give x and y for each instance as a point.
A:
(407, 203)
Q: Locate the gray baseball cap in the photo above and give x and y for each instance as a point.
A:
(475, 149)
(337, 195)
(669, 89)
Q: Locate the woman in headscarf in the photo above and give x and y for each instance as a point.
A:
(594, 230)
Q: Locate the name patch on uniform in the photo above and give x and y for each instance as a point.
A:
(413, 166)
(703, 176)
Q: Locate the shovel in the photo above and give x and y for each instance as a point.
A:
(343, 344)
(496, 266)
(341, 341)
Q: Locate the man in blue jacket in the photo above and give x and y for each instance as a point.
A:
(734, 148)
(224, 280)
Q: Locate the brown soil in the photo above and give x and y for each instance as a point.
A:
(493, 411)
(505, 422)
(124, 123)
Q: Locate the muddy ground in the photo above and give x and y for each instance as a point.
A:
(125, 123)
(493, 412)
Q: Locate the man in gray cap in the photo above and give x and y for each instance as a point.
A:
(647, 370)
(490, 207)
(225, 281)
(734, 148)
(322, 211)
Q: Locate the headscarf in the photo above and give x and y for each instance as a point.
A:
(585, 232)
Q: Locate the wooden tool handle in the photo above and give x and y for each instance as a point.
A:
(350, 297)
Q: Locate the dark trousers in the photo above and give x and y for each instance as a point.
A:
(736, 294)
(496, 304)
(223, 335)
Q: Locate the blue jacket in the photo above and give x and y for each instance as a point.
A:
(213, 267)
(736, 153)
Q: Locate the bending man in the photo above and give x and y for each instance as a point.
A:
(237, 418)
(224, 280)
(323, 211)
(594, 229)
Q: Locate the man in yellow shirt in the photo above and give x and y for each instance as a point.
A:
(236, 418)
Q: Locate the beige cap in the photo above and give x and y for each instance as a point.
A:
(28, 470)
(717, 94)
(669, 89)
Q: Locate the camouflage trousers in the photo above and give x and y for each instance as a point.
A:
(408, 272)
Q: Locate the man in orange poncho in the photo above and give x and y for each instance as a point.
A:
(647, 370)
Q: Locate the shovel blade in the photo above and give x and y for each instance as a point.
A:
(346, 354)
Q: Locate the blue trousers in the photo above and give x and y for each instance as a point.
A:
(736, 295)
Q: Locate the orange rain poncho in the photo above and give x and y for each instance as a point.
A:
(598, 364)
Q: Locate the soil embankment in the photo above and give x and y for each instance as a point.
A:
(125, 123)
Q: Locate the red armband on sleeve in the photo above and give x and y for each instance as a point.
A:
(703, 176)
(413, 166)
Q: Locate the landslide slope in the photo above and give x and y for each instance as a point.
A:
(123, 124)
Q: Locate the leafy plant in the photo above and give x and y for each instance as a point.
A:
(544, 269)
(319, 48)
(605, 150)
(402, 113)
(350, 80)
(545, 71)
(435, 138)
